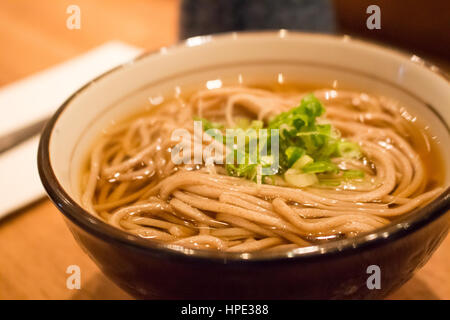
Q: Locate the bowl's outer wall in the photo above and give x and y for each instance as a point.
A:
(153, 275)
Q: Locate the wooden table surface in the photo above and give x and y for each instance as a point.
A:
(35, 245)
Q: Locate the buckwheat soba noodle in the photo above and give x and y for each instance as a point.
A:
(347, 163)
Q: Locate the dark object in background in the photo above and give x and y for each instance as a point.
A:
(212, 16)
(420, 26)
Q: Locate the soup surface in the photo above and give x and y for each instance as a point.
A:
(243, 169)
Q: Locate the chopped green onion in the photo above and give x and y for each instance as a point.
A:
(298, 179)
(293, 154)
(209, 124)
(353, 174)
(267, 161)
(307, 144)
(302, 162)
(256, 124)
(349, 150)
(244, 123)
(320, 167)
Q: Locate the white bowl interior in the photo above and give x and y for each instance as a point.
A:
(252, 58)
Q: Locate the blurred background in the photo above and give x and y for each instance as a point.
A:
(35, 33)
(34, 36)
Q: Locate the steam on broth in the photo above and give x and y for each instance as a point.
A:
(348, 163)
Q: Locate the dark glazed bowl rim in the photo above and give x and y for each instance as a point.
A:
(86, 221)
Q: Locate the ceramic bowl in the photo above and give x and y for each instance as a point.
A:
(334, 270)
